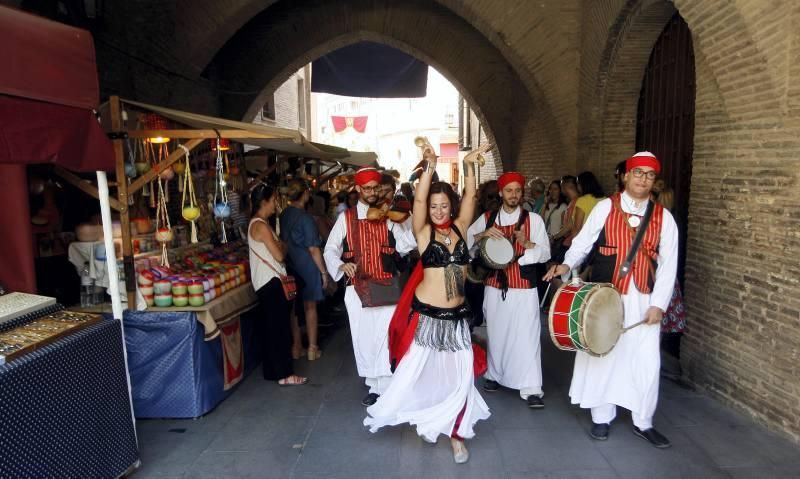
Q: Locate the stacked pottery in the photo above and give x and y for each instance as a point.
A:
(195, 289)
(163, 292)
(145, 281)
(180, 297)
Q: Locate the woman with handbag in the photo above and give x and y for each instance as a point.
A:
(429, 339)
(275, 290)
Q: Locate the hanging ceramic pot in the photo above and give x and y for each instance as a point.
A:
(222, 210)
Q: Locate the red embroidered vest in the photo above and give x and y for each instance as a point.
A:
(515, 279)
(615, 242)
(364, 246)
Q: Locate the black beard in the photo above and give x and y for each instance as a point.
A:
(371, 201)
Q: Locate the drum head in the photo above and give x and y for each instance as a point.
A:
(497, 252)
(602, 320)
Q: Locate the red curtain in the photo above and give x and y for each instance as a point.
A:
(16, 238)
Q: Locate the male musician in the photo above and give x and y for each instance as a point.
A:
(357, 248)
(511, 302)
(628, 375)
(386, 189)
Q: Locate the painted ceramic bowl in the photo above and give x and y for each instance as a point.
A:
(164, 235)
(180, 300)
(197, 299)
(195, 287)
(179, 288)
(162, 286)
(147, 290)
(221, 210)
(163, 300)
(179, 167)
(190, 213)
(149, 300)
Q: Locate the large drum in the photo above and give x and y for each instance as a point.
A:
(494, 254)
(586, 317)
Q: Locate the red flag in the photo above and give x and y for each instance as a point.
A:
(360, 123)
(339, 123)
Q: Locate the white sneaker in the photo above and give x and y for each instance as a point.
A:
(460, 452)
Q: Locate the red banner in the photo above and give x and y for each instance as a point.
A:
(358, 123)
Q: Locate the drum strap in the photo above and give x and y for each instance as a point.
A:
(637, 241)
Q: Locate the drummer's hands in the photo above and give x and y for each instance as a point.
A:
(556, 270)
(522, 238)
(653, 315)
(349, 269)
(492, 232)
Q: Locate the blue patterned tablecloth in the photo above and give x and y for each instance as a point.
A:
(174, 372)
(65, 411)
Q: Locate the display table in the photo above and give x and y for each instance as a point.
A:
(175, 355)
(64, 408)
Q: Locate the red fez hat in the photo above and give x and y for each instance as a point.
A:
(643, 158)
(510, 177)
(365, 175)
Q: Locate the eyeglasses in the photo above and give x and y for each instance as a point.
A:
(638, 173)
(370, 189)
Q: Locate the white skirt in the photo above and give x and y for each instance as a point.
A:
(429, 389)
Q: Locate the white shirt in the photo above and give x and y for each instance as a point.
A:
(260, 273)
(553, 216)
(538, 236)
(403, 236)
(667, 247)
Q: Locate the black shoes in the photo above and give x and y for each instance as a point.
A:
(653, 437)
(600, 431)
(535, 402)
(490, 386)
(370, 399)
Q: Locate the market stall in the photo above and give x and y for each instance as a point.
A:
(55, 419)
(189, 335)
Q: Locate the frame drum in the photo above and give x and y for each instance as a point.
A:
(586, 317)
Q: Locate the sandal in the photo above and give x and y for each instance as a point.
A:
(298, 353)
(314, 353)
(293, 380)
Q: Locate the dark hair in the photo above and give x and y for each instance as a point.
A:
(296, 189)
(445, 188)
(561, 198)
(387, 179)
(262, 192)
(407, 191)
(589, 184)
(326, 197)
(620, 169)
(567, 179)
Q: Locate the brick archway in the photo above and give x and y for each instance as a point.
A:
(287, 35)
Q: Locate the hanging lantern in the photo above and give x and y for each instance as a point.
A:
(223, 143)
(156, 122)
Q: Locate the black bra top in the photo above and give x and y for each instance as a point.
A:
(436, 255)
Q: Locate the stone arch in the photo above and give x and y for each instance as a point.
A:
(280, 39)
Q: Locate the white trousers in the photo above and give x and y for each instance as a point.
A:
(369, 328)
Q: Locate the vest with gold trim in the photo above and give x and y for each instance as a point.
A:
(615, 241)
(512, 272)
(370, 244)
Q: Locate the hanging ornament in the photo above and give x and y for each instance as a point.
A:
(190, 211)
(221, 208)
(179, 167)
(164, 233)
(153, 121)
(130, 165)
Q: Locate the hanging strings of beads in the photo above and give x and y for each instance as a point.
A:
(221, 208)
(191, 211)
(163, 228)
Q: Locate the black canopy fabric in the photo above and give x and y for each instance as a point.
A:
(372, 70)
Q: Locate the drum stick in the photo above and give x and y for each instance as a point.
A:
(634, 325)
(546, 292)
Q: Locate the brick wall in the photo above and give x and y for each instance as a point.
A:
(285, 104)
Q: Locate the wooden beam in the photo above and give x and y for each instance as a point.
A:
(266, 172)
(83, 185)
(206, 134)
(322, 180)
(151, 174)
(122, 199)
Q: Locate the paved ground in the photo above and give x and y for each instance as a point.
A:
(314, 431)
